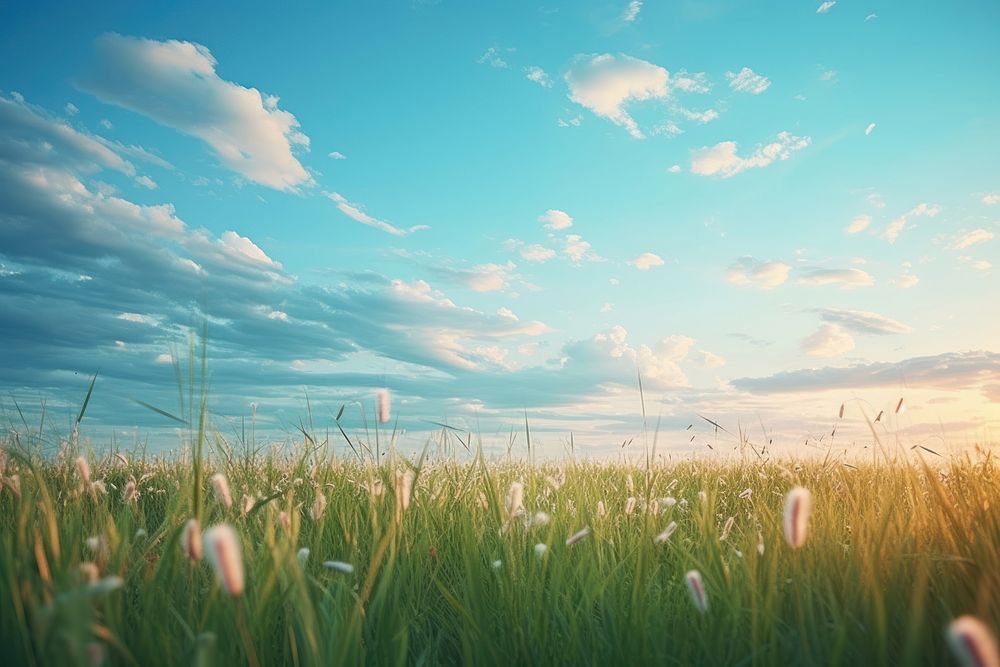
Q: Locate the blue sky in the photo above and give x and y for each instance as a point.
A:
(763, 209)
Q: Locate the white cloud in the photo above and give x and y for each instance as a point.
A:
(137, 318)
(146, 182)
(871, 17)
(826, 6)
(537, 253)
(675, 169)
(336, 155)
(847, 278)
(974, 237)
(646, 261)
(245, 250)
(702, 117)
(493, 58)
(605, 84)
(164, 359)
(907, 280)
(691, 82)
(355, 212)
(175, 84)
(667, 129)
(507, 313)
(859, 224)
(748, 81)
(53, 142)
(828, 75)
(895, 227)
(869, 129)
(710, 360)
(631, 12)
(991, 199)
(607, 307)
(722, 159)
(864, 322)
(748, 270)
(579, 250)
(828, 341)
(556, 219)
(575, 121)
(71, 109)
(106, 124)
(489, 277)
(538, 75)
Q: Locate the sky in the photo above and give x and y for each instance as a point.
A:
(504, 212)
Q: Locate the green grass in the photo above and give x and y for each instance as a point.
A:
(894, 552)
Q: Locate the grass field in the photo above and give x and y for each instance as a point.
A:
(93, 569)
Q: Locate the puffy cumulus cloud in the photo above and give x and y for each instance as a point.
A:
(646, 261)
(175, 83)
(578, 250)
(859, 224)
(830, 340)
(864, 321)
(748, 270)
(556, 219)
(614, 359)
(846, 278)
(991, 199)
(896, 227)
(710, 360)
(606, 84)
(723, 160)
(537, 253)
(538, 75)
(907, 280)
(951, 370)
(356, 212)
(489, 277)
(748, 81)
(972, 238)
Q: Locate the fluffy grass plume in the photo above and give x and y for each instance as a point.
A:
(896, 551)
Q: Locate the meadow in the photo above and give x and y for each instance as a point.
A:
(431, 560)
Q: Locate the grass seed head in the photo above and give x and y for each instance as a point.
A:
(972, 643)
(339, 566)
(796, 519)
(191, 540)
(382, 403)
(221, 486)
(697, 589)
(222, 547)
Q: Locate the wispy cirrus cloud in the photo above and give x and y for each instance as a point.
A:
(896, 227)
(846, 278)
(864, 322)
(176, 84)
(355, 212)
(723, 160)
